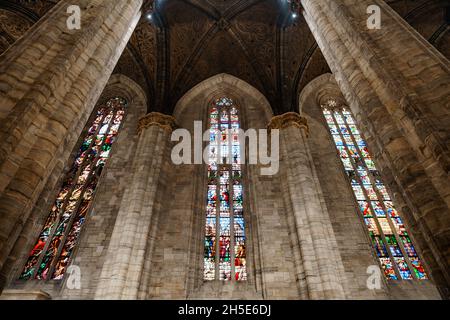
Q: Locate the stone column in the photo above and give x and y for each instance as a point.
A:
(131, 242)
(396, 84)
(50, 81)
(320, 271)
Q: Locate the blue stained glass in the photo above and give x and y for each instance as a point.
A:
(366, 181)
(344, 130)
(334, 129)
(378, 209)
(348, 140)
(379, 246)
(226, 153)
(338, 140)
(68, 214)
(403, 268)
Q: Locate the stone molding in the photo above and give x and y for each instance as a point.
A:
(163, 121)
(288, 120)
(14, 294)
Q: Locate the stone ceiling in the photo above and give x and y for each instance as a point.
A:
(189, 41)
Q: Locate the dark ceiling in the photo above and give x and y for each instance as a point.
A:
(189, 41)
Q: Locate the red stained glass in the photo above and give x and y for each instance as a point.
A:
(386, 228)
(52, 253)
(225, 192)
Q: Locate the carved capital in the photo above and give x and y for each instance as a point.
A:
(288, 120)
(163, 121)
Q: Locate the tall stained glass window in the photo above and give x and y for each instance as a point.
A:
(53, 250)
(390, 239)
(225, 251)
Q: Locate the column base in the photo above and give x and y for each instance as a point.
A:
(24, 295)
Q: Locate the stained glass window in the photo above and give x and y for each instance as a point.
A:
(53, 250)
(225, 250)
(391, 242)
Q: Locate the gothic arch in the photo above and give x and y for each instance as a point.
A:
(354, 242)
(247, 96)
(102, 212)
(189, 183)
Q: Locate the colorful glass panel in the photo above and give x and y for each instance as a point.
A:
(225, 176)
(53, 251)
(388, 234)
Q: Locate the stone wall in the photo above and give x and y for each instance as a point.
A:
(90, 252)
(178, 257)
(50, 81)
(396, 84)
(353, 240)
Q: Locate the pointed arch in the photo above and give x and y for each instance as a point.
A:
(116, 145)
(361, 207)
(251, 99)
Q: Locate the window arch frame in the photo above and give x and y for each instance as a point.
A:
(397, 229)
(245, 192)
(96, 166)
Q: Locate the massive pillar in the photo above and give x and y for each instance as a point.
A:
(50, 81)
(319, 268)
(396, 84)
(127, 264)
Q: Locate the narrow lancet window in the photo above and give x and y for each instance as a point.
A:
(52, 253)
(225, 241)
(390, 239)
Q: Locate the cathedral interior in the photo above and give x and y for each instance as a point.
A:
(93, 206)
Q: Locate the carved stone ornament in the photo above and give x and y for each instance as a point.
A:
(288, 120)
(163, 121)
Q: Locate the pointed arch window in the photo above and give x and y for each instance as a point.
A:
(390, 239)
(53, 250)
(225, 239)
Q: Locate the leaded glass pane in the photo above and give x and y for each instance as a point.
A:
(53, 251)
(225, 191)
(388, 234)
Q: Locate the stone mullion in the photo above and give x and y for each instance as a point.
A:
(231, 204)
(92, 173)
(217, 237)
(231, 198)
(366, 195)
(232, 234)
(381, 200)
(66, 201)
